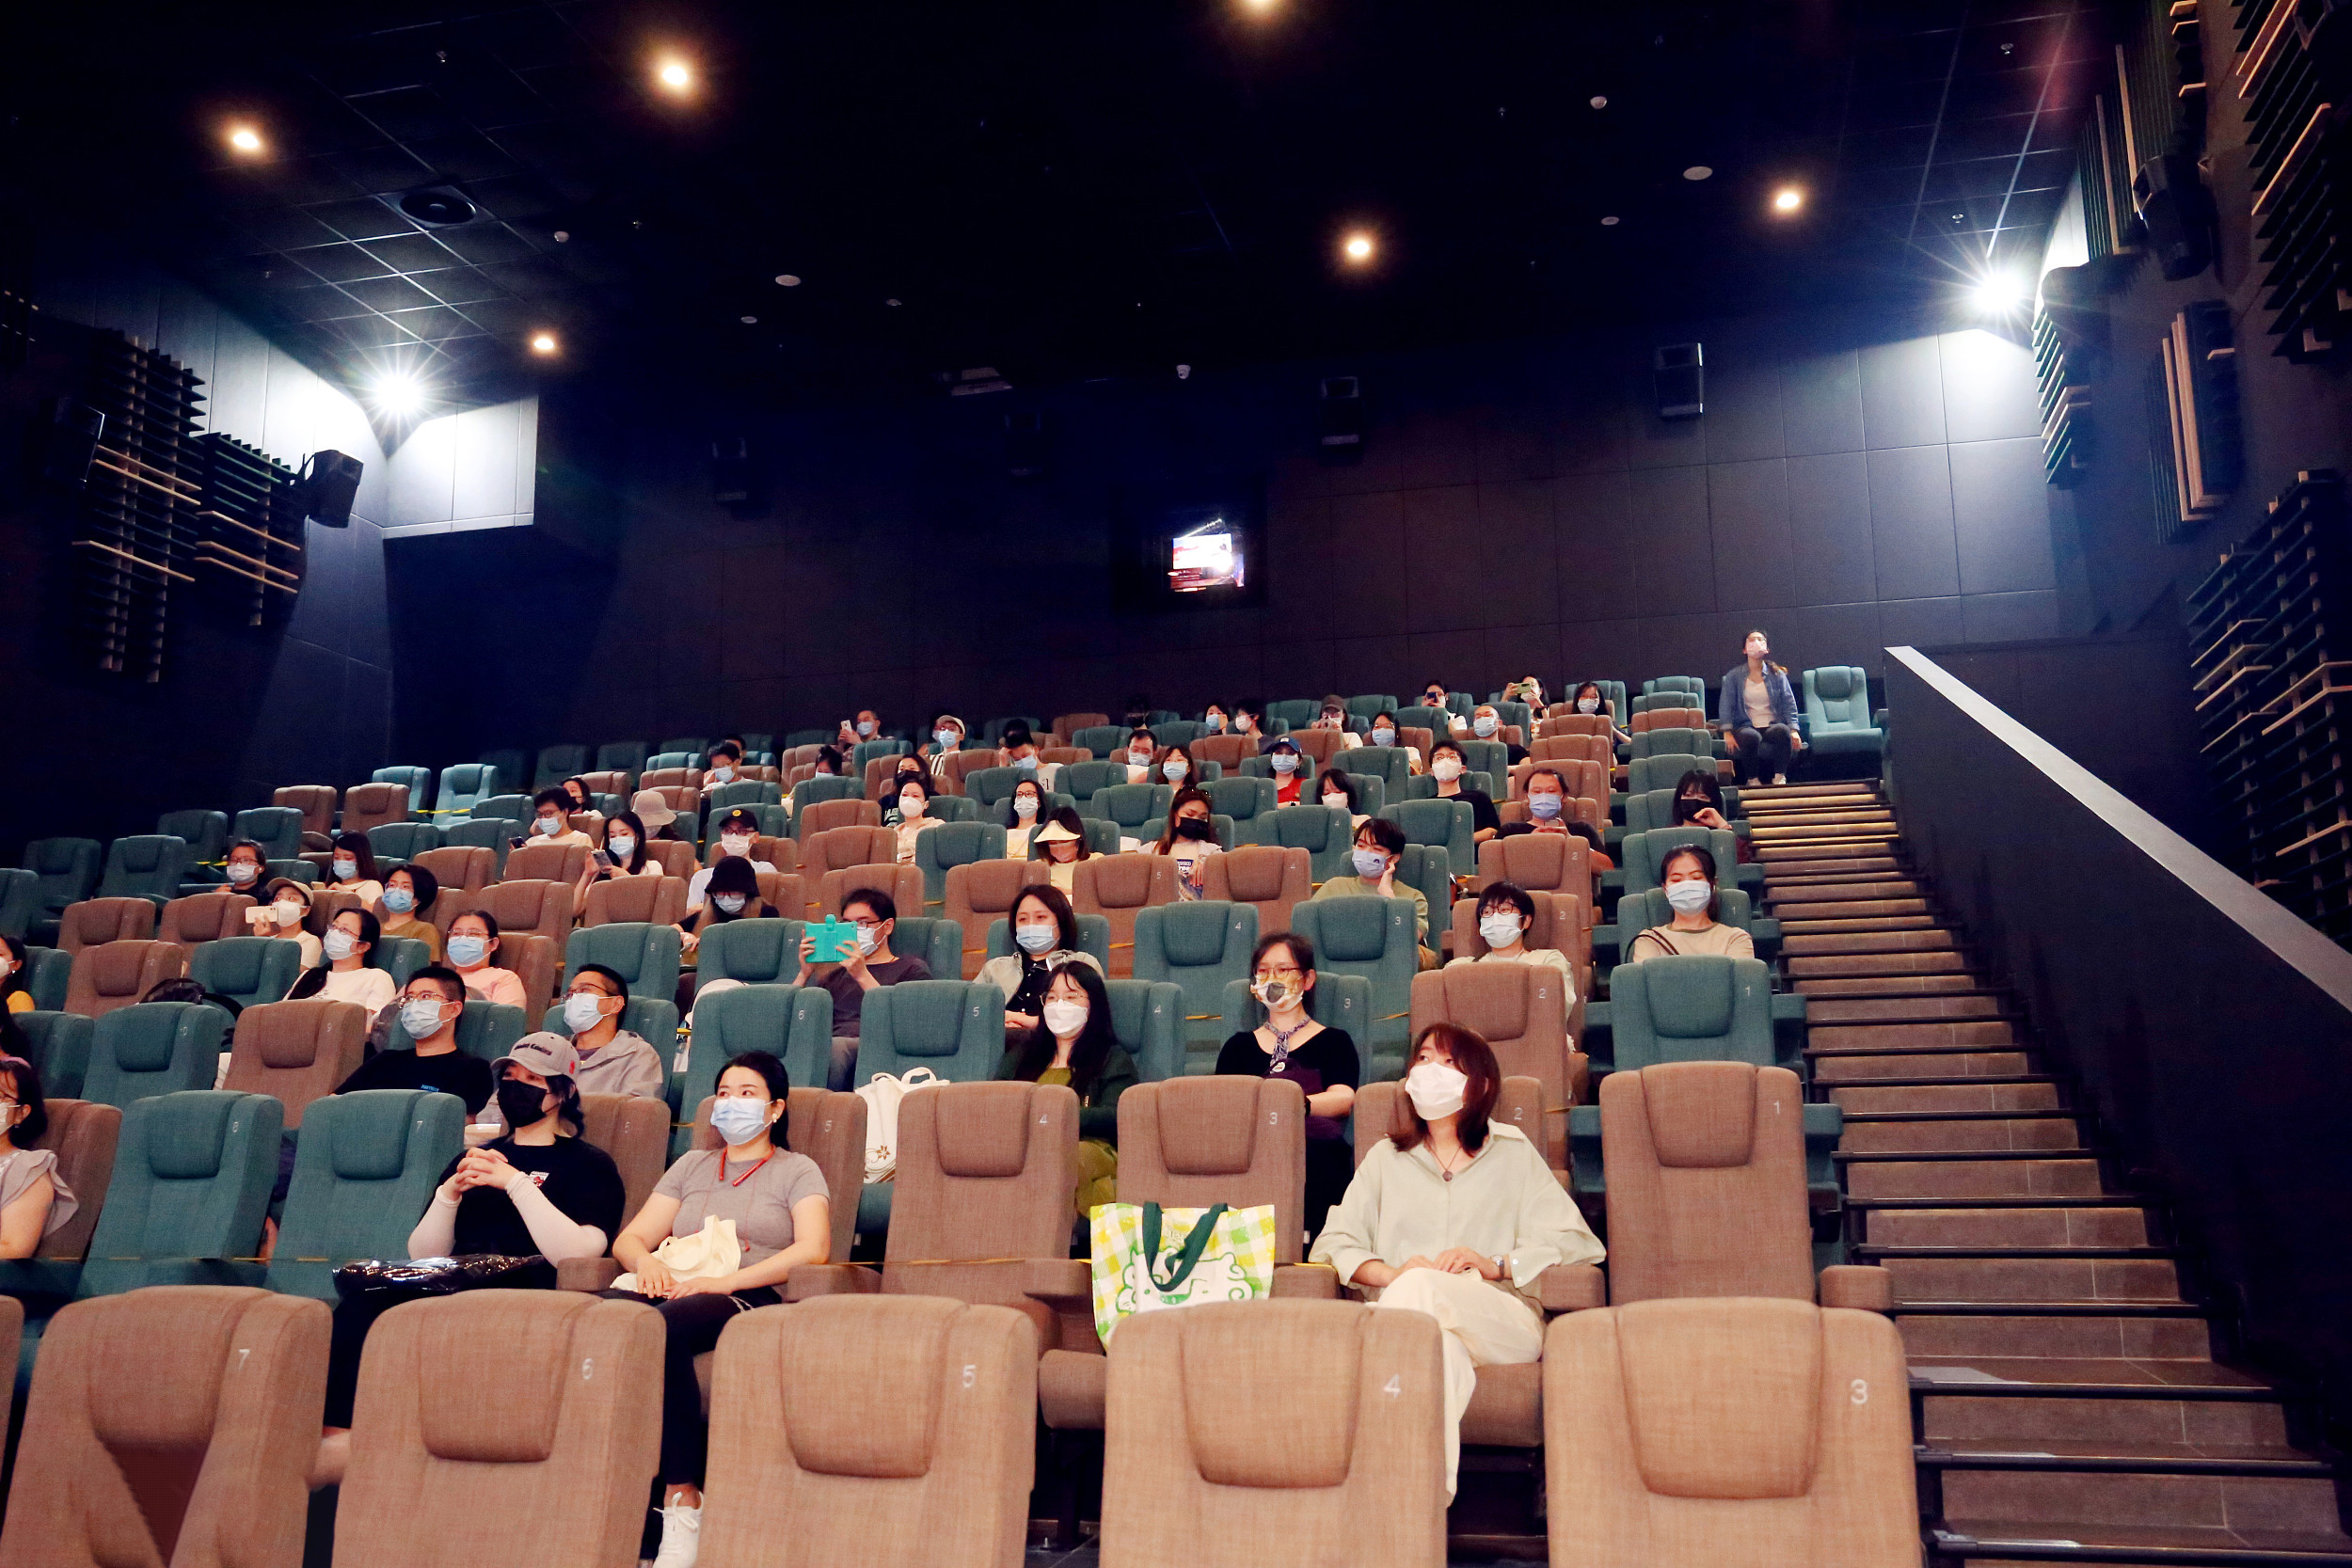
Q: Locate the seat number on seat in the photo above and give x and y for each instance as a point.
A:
(971, 1374)
(587, 1367)
(1394, 1387)
(1860, 1391)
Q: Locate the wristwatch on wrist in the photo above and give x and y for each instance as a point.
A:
(1502, 1265)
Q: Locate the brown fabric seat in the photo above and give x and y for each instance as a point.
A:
(1667, 719)
(826, 1410)
(1586, 780)
(459, 868)
(1318, 744)
(904, 883)
(1062, 756)
(982, 892)
(1562, 921)
(833, 815)
(962, 765)
(1563, 719)
(536, 961)
(1118, 886)
(96, 921)
(297, 1051)
(316, 802)
(1520, 1011)
(326, 904)
(373, 805)
(634, 1129)
(1238, 1425)
(82, 1133)
(781, 853)
(1271, 880)
(117, 973)
(1071, 723)
(1227, 750)
(879, 771)
(1189, 1143)
(655, 900)
(676, 857)
(787, 894)
(546, 862)
(1773, 1432)
(612, 781)
(1567, 748)
(202, 917)
(503, 1426)
(680, 787)
(11, 1346)
(1549, 862)
(170, 1425)
(1707, 1188)
(827, 1126)
(528, 906)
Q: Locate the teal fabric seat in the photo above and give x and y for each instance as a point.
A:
(935, 940)
(1696, 1008)
(653, 1019)
(824, 786)
(1691, 683)
(622, 756)
(191, 1184)
(463, 785)
(247, 970)
(513, 764)
(1101, 739)
(954, 1027)
(1327, 835)
(503, 808)
(206, 834)
(989, 788)
(757, 952)
(1080, 779)
(1490, 757)
(951, 808)
(1391, 765)
(742, 792)
(1148, 1016)
(68, 870)
(20, 901)
(1296, 712)
(1095, 937)
(1643, 856)
(155, 1048)
(1436, 720)
(1422, 788)
(556, 764)
(1659, 742)
(866, 751)
(793, 1021)
(1429, 869)
(1638, 912)
(1663, 770)
(1198, 946)
(664, 760)
(1243, 801)
(364, 1172)
(1369, 704)
(145, 865)
(1101, 837)
(493, 834)
(1176, 732)
(58, 1046)
(1838, 717)
(760, 748)
(485, 1030)
(1139, 809)
(48, 973)
(646, 956)
(1441, 824)
(417, 781)
(399, 843)
(1372, 938)
(950, 844)
(694, 748)
(1520, 714)
(400, 957)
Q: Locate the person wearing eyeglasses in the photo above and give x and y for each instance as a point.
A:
(1322, 1061)
(869, 965)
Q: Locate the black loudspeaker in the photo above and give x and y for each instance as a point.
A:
(738, 476)
(1342, 416)
(2177, 211)
(1025, 445)
(1679, 375)
(69, 443)
(329, 483)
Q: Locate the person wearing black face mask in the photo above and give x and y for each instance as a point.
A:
(1189, 840)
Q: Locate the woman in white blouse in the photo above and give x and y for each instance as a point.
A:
(351, 938)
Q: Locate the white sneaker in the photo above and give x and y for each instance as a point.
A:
(1779, 778)
(681, 1537)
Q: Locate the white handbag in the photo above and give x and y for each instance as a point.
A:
(711, 1253)
(882, 1095)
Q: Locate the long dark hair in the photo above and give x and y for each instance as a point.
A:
(1013, 817)
(1475, 1060)
(25, 1086)
(1708, 785)
(361, 849)
(1035, 1052)
(635, 824)
(771, 1073)
(1707, 863)
(1182, 797)
(18, 980)
(1057, 905)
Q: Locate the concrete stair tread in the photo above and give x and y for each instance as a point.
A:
(1983, 1539)
(1845, 1068)
(1875, 1251)
(1855, 925)
(1831, 892)
(2030, 1115)
(2235, 1458)
(1961, 1080)
(1939, 1036)
(1941, 973)
(2055, 1201)
(2137, 1375)
(1910, 1009)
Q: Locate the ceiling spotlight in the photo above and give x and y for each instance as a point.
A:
(1357, 249)
(1998, 294)
(1609, 222)
(563, 236)
(788, 279)
(1261, 7)
(399, 394)
(1598, 101)
(892, 302)
(676, 75)
(748, 321)
(1788, 199)
(1697, 171)
(245, 138)
(543, 343)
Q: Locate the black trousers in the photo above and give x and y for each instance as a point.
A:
(1761, 756)
(693, 1325)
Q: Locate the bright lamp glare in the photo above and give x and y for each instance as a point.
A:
(543, 343)
(399, 394)
(1998, 294)
(1358, 248)
(245, 138)
(675, 75)
(1789, 199)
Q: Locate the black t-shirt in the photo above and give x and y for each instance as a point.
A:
(453, 1072)
(1324, 1060)
(580, 1179)
(1482, 813)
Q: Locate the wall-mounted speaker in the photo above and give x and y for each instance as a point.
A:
(1342, 434)
(1025, 445)
(2177, 211)
(68, 442)
(329, 485)
(737, 480)
(1678, 376)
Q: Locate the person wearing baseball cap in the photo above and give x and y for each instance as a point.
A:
(1282, 755)
(539, 1190)
(280, 911)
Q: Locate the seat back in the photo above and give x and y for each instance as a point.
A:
(399, 843)
(525, 906)
(538, 1427)
(827, 1126)
(1698, 1008)
(156, 1431)
(622, 756)
(1080, 779)
(551, 862)
(1643, 856)
(205, 833)
(83, 1135)
(297, 1051)
(645, 954)
(1101, 739)
(366, 1167)
(20, 901)
(373, 805)
(503, 808)
(1327, 835)
(1389, 764)
(1554, 862)
(794, 1022)
(661, 901)
(1636, 1400)
(757, 952)
(1139, 809)
(1273, 881)
(983, 1183)
(1198, 946)
(58, 1046)
(68, 870)
(1069, 725)
(155, 1048)
(962, 765)
(485, 1030)
(1837, 697)
(276, 828)
(904, 883)
(1149, 1020)
(1663, 770)
(833, 813)
(1561, 922)
(464, 783)
(671, 772)
(1521, 1011)
(247, 970)
(93, 921)
(983, 892)
(1661, 740)
(558, 762)
(1240, 1141)
(1440, 824)
(1116, 887)
(459, 868)
(954, 1027)
(839, 848)
(689, 745)
(192, 1179)
(1292, 1453)
(117, 973)
(1656, 718)
(1640, 912)
(1371, 937)
(316, 802)
(989, 787)
(953, 843)
(1704, 1165)
(634, 1130)
(790, 1460)
(1226, 751)
(1244, 799)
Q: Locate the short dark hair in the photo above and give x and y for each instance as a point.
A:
(726, 748)
(916, 776)
(1500, 893)
(880, 904)
(830, 755)
(1302, 952)
(1384, 833)
(552, 796)
(371, 928)
(258, 853)
(607, 974)
(1707, 863)
(428, 886)
(24, 1084)
(489, 921)
(1533, 773)
(1442, 745)
(452, 983)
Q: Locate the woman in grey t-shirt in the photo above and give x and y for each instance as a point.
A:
(783, 1218)
(34, 1198)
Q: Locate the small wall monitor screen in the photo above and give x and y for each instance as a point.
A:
(1206, 556)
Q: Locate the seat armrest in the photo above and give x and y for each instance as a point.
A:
(1870, 1290)
(831, 1279)
(587, 1273)
(1306, 1282)
(1571, 1288)
(1060, 1281)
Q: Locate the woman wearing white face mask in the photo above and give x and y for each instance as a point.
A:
(246, 868)
(285, 904)
(406, 906)
(1447, 767)
(1173, 766)
(1759, 712)
(1044, 935)
(1590, 702)
(1212, 720)
(353, 868)
(1072, 1044)
(914, 804)
(1289, 770)
(1024, 812)
(551, 821)
(1688, 875)
(1290, 1044)
(1505, 915)
(1336, 789)
(345, 976)
(1456, 1214)
(1384, 732)
(624, 855)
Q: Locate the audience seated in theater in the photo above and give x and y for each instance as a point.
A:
(735, 832)
(1136, 715)
(947, 733)
(1433, 696)
(353, 868)
(648, 807)
(623, 855)
(16, 986)
(1044, 936)
(1019, 749)
(1527, 690)
(1189, 839)
(550, 820)
(248, 863)
(1142, 749)
(1337, 790)
(1688, 875)
(1334, 717)
(1281, 759)
(1446, 766)
(610, 1059)
(1290, 1044)
(1214, 720)
(1072, 1044)
(1383, 733)
(1065, 841)
(733, 894)
(579, 800)
(1487, 724)
(1379, 844)
(1759, 712)
(430, 1005)
(473, 938)
(540, 1191)
(1505, 915)
(1588, 700)
(1021, 817)
(1456, 1214)
(1699, 803)
(285, 904)
(725, 766)
(869, 965)
(344, 976)
(868, 726)
(782, 1219)
(915, 819)
(34, 1200)
(1249, 722)
(1547, 795)
(409, 895)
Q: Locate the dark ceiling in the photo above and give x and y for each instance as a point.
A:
(1053, 190)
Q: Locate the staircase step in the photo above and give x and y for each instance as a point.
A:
(1960, 1133)
(2173, 1502)
(1821, 827)
(1828, 1037)
(2063, 1456)
(2006, 1544)
(1773, 795)
(1792, 912)
(1967, 1180)
(2018, 1281)
(1819, 849)
(1929, 939)
(2078, 1228)
(1922, 1009)
(1855, 966)
(1809, 924)
(2033, 1094)
(1832, 1068)
(2160, 1352)
(1891, 986)
(1834, 893)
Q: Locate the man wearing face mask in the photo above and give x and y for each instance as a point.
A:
(868, 726)
(610, 1060)
(1379, 844)
(1019, 749)
(864, 967)
(736, 832)
(726, 767)
(1506, 916)
(1447, 767)
(947, 733)
(1487, 724)
(1547, 797)
(430, 1005)
(551, 821)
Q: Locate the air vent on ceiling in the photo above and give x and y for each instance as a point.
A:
(438, 207)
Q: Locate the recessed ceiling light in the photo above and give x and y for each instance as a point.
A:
(245, 138)
(1598, 100)
(543, 343)
(748, 321)
(1788, 199)
(676, 75)
(1261, 7)
(398, 393)
(1356, 247)
(788, 279)
(563, 236)
(1609, 222)
(892, 301)
(1697, 171)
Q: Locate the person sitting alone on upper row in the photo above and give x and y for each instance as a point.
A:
(1759, 712)
(1383, 732)
(1188, 841)
(1688, 876)
(1590, 702)
(550, 822)
(623, 854)
(726, 767)
(866, 727)
(1379, 846)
